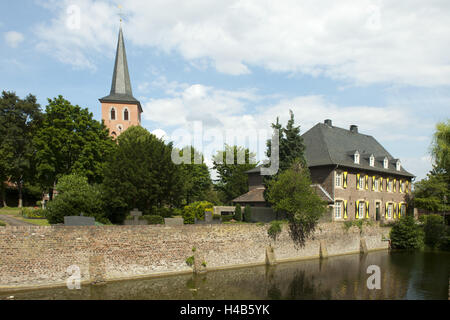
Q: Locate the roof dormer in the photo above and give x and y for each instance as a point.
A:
(398, 165)
(372, 160)
(356, 157)
(385, 163)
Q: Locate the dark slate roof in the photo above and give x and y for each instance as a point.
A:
(121, 84)
(329, 145)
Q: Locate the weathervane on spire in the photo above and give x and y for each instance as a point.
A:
(120, 13)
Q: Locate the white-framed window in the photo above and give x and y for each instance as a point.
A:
(385, 163)
(376, 183)
(126, 114)
(338, 180)
(398, 165)
(403, 187)
(361, 209)
(390, 210)
(356, 157)
(361, 182)
(372, 160)
(338, 209)
(112, 114)
(390, 186)
(403, 209)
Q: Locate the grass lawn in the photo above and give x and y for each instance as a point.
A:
(16, 213)
(10, 211)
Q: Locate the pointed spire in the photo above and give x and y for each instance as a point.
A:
(121, 84)
(121, 78)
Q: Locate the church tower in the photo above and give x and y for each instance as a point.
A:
(120, 109)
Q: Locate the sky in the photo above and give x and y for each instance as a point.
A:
(235, 66)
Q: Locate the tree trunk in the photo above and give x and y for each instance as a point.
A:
(2, 194)
(19, 188)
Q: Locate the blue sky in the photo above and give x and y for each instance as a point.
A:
(237, 65)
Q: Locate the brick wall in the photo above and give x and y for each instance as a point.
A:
(33, 256)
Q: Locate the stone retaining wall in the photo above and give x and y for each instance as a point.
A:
(39, 256)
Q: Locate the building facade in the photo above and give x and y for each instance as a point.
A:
(351, 171)
(120, 110)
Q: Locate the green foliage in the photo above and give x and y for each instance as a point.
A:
(433, 193)
(233, 181)
(440, 148)
(291, 146)
(357, 223)
(434, 229)
(70, 141)
(406, 234)
(140, 174)
(190, 261)
(204, 264)
(152, 219)
(196, 177)
(2, 224)
(75, 196)
(227, 218)
(196, 210)
(275, 229)
(19, 122)
(238, 213)
(290, 192)
(33, 213)
(247, 213)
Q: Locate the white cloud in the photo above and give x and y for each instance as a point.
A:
(360, 41)
(13, 38)
(244, 112)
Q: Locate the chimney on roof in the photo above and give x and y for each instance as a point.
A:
(354, 128)
(328, 122)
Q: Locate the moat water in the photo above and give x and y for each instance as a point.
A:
(404, 275)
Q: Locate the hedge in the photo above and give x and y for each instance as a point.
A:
(153, 219)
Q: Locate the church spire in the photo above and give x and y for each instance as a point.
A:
(121, 84)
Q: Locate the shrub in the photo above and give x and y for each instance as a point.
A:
(247, 214)
(275, 229)
(216, 216)
(196, 210)
(153, 219)
(434, 230)
(75, 196)
(33, 213)
(238, 213)
(2, 224)
(406, 234)
(227, 218)
(190, 261)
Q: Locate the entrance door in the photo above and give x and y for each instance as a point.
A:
(377, 211)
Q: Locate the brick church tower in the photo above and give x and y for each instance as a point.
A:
(120, 109)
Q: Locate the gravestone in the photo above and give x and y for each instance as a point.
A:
(208, 217)
(79, 221)
(136, 214)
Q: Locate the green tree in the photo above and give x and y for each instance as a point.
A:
(291, 145)
(75, 197)
(232, 180)
(238, 213)
(406, 234)
(433, 192)
(196, 177)
(70, 141)
(434, 229)
(140, 174)
(19, 121)
(247, 213)
(290, 192)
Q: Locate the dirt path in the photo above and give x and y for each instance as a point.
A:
(11, 221)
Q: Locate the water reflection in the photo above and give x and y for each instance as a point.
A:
(404, 275)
